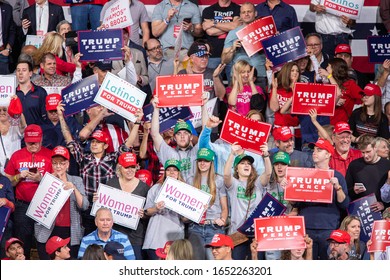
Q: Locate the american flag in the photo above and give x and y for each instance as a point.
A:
(369, 24)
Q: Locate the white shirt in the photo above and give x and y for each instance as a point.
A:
(42, 17)
(329, 24)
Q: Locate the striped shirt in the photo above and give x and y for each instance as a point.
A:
(116, 236)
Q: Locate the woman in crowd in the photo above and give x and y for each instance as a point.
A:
(351, 224)
(94, 252)
(382, 146)
(164, 224)
(369, 119)
(214, 219)
(243, 88)
(127, 182)
(245, 189)
(68, 221)
(180, 249)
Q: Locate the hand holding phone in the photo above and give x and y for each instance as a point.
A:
(359, 188)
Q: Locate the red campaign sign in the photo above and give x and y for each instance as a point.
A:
(250, 134)
(280, 233)
(252, 35)
(314, 96)
(179, 90)
(380, 236)
(309, 185)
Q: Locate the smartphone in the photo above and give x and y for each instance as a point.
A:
(25, 17)
(187, 20)
(33, 170)
(71, 34)
(360, 187)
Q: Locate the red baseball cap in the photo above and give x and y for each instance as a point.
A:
(323, 144)
(61, 151)
(33, 134)
(100, 136)
(52, 101)
(127, 159)
(340, 236)
(54, 243)
(162, 252)
(221, 240)
(341, 127)
(282, 133)
(15, 108)
(11, 241)
(343, 48)
(145, 176)
(372, 89)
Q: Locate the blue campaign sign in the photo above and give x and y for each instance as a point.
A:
(100, 44)
(269, 206)
(361, 209)
(168, 116)
(378, 48)
(5, 212)
(79, 96)
(285, 47)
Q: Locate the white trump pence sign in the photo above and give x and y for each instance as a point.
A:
(124, 206)
(48, 200)
(120, 97)
(184, 199)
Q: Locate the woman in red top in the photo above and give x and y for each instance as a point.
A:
(348, 92)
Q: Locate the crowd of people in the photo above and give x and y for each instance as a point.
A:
(97, 146)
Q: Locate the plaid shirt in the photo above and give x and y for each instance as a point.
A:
(92, 171)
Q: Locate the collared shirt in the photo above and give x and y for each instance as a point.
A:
(42, 17)
(56, 81)
(340, 164)
(329, 24)
(284, 15)
(33, 103)
(93, 238)
(164, 67)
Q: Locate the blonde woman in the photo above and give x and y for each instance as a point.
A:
(180, 250)
(214, 219)
(352, 225)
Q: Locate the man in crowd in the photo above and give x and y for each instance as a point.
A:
(339, 245)
(57, 248)
(221, 247)
(49, 77)
(284, 15)
(114, 251)
(7, 36)
(14, 249)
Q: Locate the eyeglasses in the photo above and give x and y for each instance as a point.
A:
(61, 163)
(155, 48)
(314, 45)
(335, 244)
(343, 137)
(3, 109)
(52, 112)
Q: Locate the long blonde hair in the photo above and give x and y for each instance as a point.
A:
(180, 249)
(51, 44)
(210, 181)
(238, 66)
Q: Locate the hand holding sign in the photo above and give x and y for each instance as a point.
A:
(236, 149)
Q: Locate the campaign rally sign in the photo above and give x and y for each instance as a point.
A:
(285, 47)
(321, 97)
(184, 199)
(378, 48)
(7, 89)
(79, 96)
(48, 200)
(120, 96)
(250, 134)
(5, 212)
(179, 90)
(380, 236)
(100, 44)
(124, 206)
(196, 119)
(34, 40)
(252, 34)
(168, 116)
(361, 208)
(269, 206)
(280, 233)
(117, 15)
(309, 184)
(349, 8)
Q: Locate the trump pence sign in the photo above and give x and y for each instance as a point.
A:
(252, 34)
(380, 236)
(314, 96)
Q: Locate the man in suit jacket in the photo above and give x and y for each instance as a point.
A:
(7, 36)
(41, 18)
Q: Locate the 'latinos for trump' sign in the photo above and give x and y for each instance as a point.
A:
(252, 34)
(362, 208)
(314, 96)
(349, 8)
(309, 184)
(284, 47)
(117, 15)
(120, 96)
(168, 116)
(100, 44)
(184, 199)
(378, 48)
(179, 90)
(280, 233)
(79, 96)
(250, 134)
(48, 200)
(7, 89)
(269, 206)
(124, 206)
(380, 236)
